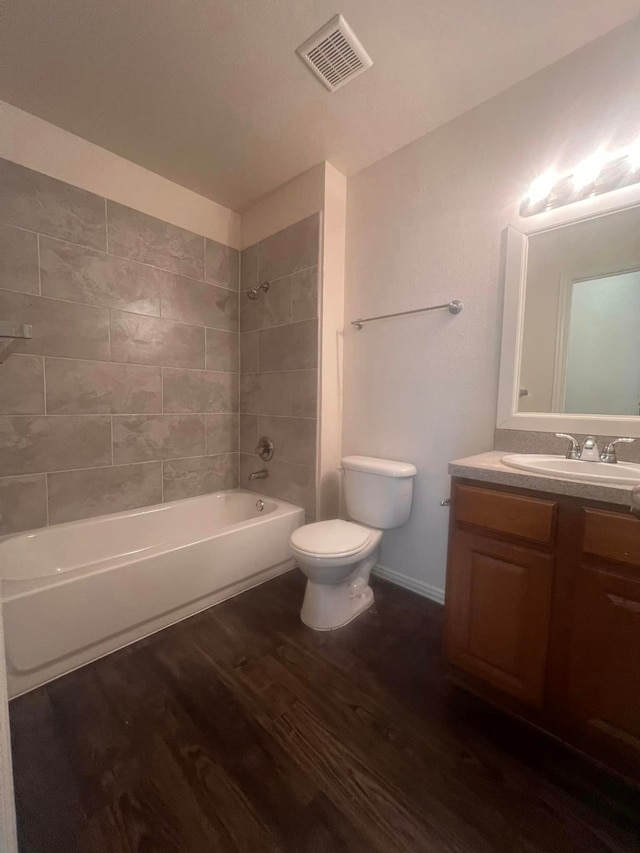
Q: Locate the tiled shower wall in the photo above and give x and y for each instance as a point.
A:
(279, 362)
(127, 394)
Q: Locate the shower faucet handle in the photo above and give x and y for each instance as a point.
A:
(265, 449)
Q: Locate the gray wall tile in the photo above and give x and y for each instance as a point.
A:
(222, 433)
(304, 393)
(222, 265)
(186, 478)
(111, 319)
(197, 302)
(222, 351)
(294, 438)
(34, 444)
(97, 387)
(148, 340)
(138, 438)
(143, 238)
(249, 352)
(292, 347)
(39, 203)
(286, 481)
(23, 503)
(293, 249)
(269, 309)
(249, 267)
(265, 393)
(84, 275)
(248, 433)
(98, 491)
(61, 329)
(18, 260)
(200, 391)
(304, 295)
(22, 385)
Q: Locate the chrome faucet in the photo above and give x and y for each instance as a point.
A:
(589, 452)
(259, 475)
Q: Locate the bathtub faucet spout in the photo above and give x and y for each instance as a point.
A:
(259, 475)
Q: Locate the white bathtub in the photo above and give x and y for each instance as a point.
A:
(74, 592)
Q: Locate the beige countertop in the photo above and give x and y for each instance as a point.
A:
(489, 468)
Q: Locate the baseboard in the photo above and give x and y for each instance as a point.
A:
(414, 585)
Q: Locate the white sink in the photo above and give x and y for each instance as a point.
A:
(620, 473)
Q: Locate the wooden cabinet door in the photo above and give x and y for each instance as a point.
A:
(498, 613)
(603, 685)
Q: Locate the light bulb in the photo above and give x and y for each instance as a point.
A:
(541, 187)
(586, 172)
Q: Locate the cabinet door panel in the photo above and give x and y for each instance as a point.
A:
(604, 662)
(498, 612)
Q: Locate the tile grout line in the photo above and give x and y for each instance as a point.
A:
(125, 257)
(106, 227)
(46, 497)
(39, 266)
(44, 385)
(122, 310)
(117, 465)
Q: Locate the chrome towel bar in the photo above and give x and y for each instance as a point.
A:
(455, 307)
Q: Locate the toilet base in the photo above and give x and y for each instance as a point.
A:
(330, 606)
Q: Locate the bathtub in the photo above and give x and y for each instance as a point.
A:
(74, 592)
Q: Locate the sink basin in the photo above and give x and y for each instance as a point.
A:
(620, 474)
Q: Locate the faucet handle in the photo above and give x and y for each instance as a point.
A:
(609, 453)
(574, 448)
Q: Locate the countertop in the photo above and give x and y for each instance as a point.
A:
(489, 468)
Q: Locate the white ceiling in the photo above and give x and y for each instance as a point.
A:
(210, 93)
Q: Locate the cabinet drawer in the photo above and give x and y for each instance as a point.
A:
(514, 515)
(612, 535)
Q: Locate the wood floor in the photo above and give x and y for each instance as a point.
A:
(242, 730)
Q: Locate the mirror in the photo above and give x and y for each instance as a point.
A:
(571, 331)
(581, 325)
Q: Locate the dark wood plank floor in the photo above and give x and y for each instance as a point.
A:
(242, 730)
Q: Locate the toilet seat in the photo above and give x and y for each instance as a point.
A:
(335, 538)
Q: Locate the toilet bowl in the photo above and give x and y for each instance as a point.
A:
(337, 556)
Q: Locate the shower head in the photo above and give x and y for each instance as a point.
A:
(255, 291)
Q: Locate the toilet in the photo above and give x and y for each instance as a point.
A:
(337, 556)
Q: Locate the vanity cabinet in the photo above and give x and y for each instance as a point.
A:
(542, 614)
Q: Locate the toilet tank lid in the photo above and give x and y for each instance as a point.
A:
(383, 467)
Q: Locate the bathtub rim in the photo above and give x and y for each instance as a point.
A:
(59, 578)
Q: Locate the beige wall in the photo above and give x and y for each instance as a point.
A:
(127, 393)
(288, 204)
(52, 151)
(426, 225)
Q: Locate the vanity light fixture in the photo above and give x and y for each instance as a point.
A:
(600, 173)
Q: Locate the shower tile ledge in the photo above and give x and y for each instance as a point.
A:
(488, 467)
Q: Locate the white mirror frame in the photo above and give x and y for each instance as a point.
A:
(508, 416)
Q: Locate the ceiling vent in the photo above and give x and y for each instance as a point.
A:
(334, 54)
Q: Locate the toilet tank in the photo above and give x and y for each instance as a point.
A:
(378, 492)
